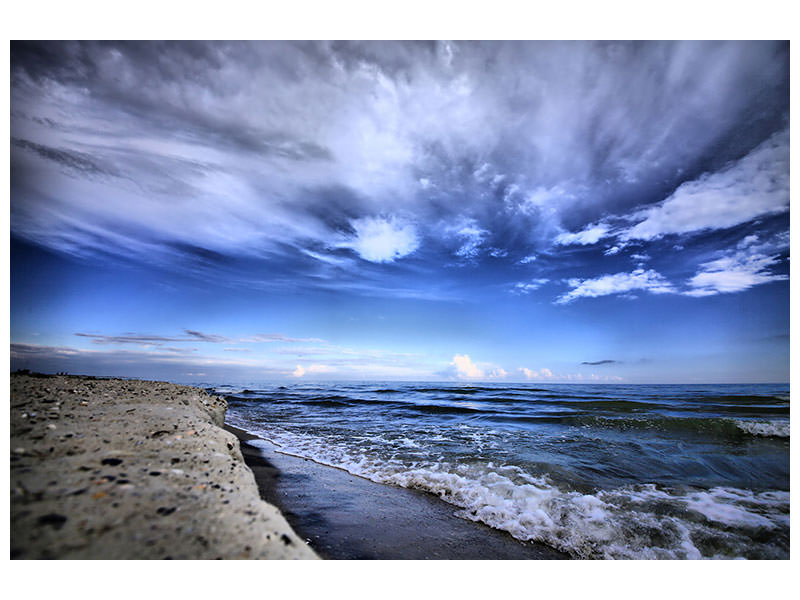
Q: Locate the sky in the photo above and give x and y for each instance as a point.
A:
(612, 212)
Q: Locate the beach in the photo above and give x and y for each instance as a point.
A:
(128, 469)
(346, 517)
(123, 469)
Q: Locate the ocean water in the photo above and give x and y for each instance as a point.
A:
(597, 471)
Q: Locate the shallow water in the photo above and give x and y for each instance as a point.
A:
(598, 471)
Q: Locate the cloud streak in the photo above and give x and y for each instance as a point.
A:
(619, 283)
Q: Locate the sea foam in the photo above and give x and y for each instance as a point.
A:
(764, 428)
(641, 521)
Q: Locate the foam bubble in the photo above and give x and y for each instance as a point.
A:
(764, 428)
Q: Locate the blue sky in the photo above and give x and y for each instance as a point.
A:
(543, 212)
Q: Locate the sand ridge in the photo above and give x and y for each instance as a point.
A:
(122, 469)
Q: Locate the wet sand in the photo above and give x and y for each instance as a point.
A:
(343, 516)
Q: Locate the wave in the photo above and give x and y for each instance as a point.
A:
(471, 390)
(765, 428)
(721, 427)
(641, 521)
(438, 409)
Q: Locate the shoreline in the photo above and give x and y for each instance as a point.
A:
(131, 469)
(346, 517)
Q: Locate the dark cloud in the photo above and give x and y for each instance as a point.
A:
(191, 336)
(144, 340)
(206, 337)
(601, 362)
(77, 161)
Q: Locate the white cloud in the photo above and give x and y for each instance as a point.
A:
(471, 238)
(612, 251)
(619, 283)
(527, 287)
(498, 373)
(540, 374)
(590, 235)
(382, 240)
(528, 259)
(465, 367)
(300, 371)
(735, 273)
(756, 185)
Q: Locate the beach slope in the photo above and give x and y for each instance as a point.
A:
(115, 469)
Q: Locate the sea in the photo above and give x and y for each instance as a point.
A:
(596, 471)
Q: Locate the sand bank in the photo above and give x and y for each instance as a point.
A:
(133, 470)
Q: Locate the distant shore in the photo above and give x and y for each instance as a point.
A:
(119, 469)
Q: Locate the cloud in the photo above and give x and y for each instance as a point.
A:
(600, 362)
(540, 374)
(465, 368)
(271, 150)
(756, 185)
(522, 287)
(470, 237)
(619, 283)
(206, 337)
(590, 235)
(382, 240)
(191, 336)
(278, 337)
(736, 272)
(311, 369)
(143, 340)
(77, 161)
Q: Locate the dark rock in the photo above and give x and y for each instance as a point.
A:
(54, 519)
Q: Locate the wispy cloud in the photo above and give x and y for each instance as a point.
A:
(618, 283)
(754, 186)
(590, 235)
(370, 147)
(600, 362)
(740, 270)
(192, 336)
(206, 337)
(143, 340)
(526, 287)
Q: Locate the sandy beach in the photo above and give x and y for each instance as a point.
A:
(118, 469)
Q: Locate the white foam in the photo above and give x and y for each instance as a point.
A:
(764, 428)
(638, 521)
